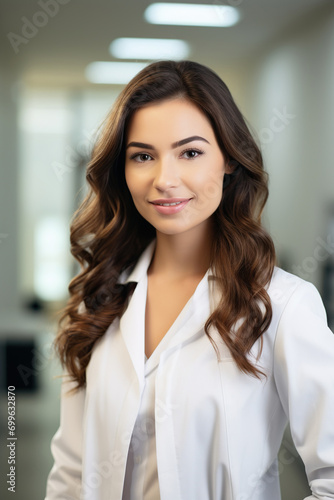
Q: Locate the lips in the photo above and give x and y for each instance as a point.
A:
(170, 206)
(169, 202)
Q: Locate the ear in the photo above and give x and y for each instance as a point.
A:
(231, 166)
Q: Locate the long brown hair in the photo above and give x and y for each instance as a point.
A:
(108, 234)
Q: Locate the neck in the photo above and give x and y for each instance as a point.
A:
(183, 255)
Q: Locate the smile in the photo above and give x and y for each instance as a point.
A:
(169, 204)
(170, 208)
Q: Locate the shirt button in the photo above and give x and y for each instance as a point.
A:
(137, 459)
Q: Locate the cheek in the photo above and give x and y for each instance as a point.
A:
(131, 181)
(209, 184)
(137, 184)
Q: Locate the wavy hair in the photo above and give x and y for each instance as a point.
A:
(108, 234)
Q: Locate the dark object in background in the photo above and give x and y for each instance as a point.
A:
(328, 290)
(18, 365)
(34, 304)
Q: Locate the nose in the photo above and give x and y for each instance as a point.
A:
(166, 175)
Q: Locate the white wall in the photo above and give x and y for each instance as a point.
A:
(296, 74)
(9, 299)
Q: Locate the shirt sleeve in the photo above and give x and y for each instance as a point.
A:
(64, 480)
(304, 375)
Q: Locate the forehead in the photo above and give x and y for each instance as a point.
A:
(173, 118)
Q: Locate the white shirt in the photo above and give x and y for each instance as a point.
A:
(141, 475)
(217, 429)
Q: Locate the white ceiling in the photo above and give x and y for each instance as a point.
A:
(82, 30)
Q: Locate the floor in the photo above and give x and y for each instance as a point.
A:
(38, 418)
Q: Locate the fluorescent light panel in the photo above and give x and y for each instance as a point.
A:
(149, 48)
(112, 72)
(185, 14)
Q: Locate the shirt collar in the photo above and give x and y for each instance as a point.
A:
(140, 268)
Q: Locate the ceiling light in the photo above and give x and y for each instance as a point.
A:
(112, 72)
(186, 14)
(149, 48)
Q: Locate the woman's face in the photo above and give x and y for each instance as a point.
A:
(174, 168)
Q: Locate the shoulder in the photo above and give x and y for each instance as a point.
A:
(285, 287)
(303, 342)
(293, 298)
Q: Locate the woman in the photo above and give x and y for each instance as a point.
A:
(187, 350)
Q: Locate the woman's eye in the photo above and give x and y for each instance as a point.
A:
(192, 153)
(141, 157)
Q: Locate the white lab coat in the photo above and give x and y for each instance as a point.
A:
(218, 430)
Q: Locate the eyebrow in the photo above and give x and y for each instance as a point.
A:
(173, 146)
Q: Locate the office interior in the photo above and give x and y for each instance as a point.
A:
(277, 61)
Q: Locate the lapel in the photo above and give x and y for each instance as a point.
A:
(190, 321)
(140, 269)
(132, 322)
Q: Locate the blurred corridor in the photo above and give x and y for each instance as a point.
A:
(277, 61)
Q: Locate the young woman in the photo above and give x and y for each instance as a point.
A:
(186, 349)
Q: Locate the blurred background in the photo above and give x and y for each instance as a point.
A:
(277, 57)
